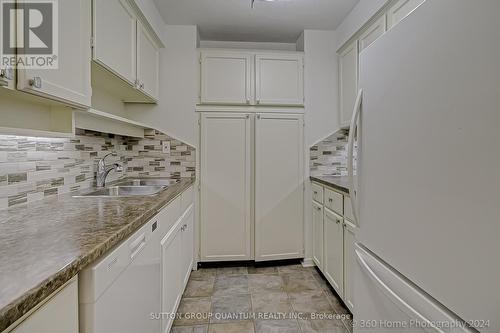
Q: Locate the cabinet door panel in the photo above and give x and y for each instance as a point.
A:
(279, 79)
(373, 32)
(318, 234)
(349, 262)
(279, 187)
(225, 187)
(187, 244)
(226, 78)
(115, 38)
(334, 248)
(148, 63)
(400, 10)
(69, 83)
(171, 258)
(348, 82)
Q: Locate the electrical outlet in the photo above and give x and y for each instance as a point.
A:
(166, 147)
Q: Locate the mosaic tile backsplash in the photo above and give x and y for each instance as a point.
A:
(329, 157)
(34, 168)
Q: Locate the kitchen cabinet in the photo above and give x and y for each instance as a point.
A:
(126, 52)
(334, 251)
(59, 314)
(279, 188)
(70, 83)
(349, 263)
(148, 63)
(348, 81)
(232, 77)
(279, 79)
(318, 233)
(226, 169)
(400, 9)
(226, 77)
(7, 73)
(372, 32)
(187, 243)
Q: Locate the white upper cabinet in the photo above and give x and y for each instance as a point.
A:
(279, 79)
(400, 10)
(148, 62)
(371, 33)
(348, 81)
(7, 73)
(70, 83)
(279, 187)
(226, 78)
(115, 38)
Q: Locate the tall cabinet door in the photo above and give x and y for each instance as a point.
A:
(334, 249)
(348, 81)
(70, 83)
(225, 187)
(279, 187)
(226, 78)
(148, 63)
(318, 234)
(115, 38)
(279, 79)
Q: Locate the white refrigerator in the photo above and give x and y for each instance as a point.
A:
(427, 189)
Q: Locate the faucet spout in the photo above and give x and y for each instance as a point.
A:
(103, 171)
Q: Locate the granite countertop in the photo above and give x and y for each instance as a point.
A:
(340, 183)
(43, 245)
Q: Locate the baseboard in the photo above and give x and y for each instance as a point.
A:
(308, 262)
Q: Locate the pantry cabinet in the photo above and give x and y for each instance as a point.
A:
(59, 314)
(235, 77)
(334, 250)
(70, 82)
(279, 186)
(226, 171)
(226, 78)
(400, 9)
(348, 81)
(279, 79)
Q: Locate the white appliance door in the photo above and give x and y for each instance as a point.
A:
(429, 158)
(388, 302)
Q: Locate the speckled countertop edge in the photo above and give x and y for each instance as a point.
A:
(336, 182)
(18, 306)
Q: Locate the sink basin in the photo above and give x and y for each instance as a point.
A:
(148, 182)
(125, 191)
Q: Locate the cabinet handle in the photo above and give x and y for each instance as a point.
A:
(36, 82)
(330, 200)
(318, 208)
(142, 85)
(315, 192)
(337, 221)
(248, 100)
(247, 116)
(258, 116)
(258, 101)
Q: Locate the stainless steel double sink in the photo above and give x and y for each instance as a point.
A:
(132, 188)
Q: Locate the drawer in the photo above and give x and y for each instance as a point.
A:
(317, 192)
(334, 201)
(348, 209)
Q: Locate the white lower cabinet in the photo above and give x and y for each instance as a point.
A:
(334, 251)
(57, 315)
(318, 233)
(187, 243)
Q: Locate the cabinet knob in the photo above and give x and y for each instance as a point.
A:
(315, 192)
(338, 221)
(248, 100)
(247, 116)
(36, 82)
(142, 85)
(330, 200)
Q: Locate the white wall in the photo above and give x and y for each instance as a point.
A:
(322, 115)
(359, 15)
(175, 112)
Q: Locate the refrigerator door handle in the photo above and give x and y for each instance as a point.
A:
(408, 297)
(350, 154)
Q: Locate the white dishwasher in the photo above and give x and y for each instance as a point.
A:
(120, 292)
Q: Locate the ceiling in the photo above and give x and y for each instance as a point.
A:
(235, 20)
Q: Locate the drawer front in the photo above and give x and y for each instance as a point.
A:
(348, 209)
(317, 193)
(334, 201)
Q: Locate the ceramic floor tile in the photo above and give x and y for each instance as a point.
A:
(264, 282)
(200, 286)
(199, 305)
(307, 302)
(190, 329)
(202, 272)
(277, 326)
(231, 308)
(232, 271)
(334, 299)
(271, 302)
(263, 270)
(322, 326)
(296, 282)
(231, 285)
(288, 269)
(235, 327)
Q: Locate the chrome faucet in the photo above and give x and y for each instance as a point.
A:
(103, 170)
